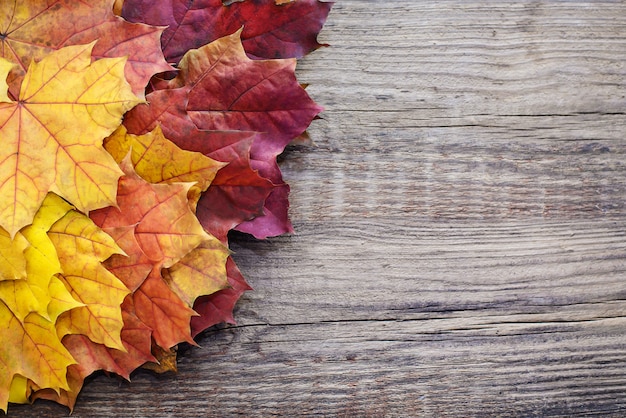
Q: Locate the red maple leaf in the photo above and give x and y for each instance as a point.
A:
(272, 29)
(219, 88)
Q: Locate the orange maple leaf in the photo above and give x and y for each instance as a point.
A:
(164, 231)
(158, 160)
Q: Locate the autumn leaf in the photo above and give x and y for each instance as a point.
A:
(238, 192)
(158, 160)
(31, 349)
(113, 243)
(163, 311)
(262, 96)
(29, 264)
(42, 260)
(165, 227)
(201, 272)
(35, 289)
(40, 151)
(33, 29)
(218, 307)
(271, 102)
(91, 357)
(271, 29)
(82, 246)
(164, 231)
(58, 243)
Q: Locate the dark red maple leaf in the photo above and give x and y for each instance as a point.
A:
(272, 29)
(218, 88)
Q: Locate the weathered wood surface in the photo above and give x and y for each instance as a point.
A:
(461, 229)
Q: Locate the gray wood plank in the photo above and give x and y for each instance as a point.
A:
(460, 229)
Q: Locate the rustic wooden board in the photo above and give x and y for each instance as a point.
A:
(460, 245)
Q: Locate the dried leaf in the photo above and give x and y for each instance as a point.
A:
(31, 349)
(91, 357)
(201, 272)
(164, 231)
(218, 307)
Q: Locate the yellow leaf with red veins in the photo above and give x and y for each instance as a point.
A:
(31, 349)
(52, 135)
(82, 246)
(158, 160)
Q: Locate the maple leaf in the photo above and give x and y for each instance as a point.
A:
(81, 247)
(32, 350)
(271, 102)
(271, 29)
(163, 311)
(164, 226)
(237, 192)
(34, 303)
(33, 29)
(164, 230)
(91, 357)
(158, 160)
(219, 88)
(42, 260)
(218, 307)
(40, 151)
(35, 289)
(201, 272)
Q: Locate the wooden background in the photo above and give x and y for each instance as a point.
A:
(460, 245)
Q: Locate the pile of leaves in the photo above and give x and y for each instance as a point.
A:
(134, 136)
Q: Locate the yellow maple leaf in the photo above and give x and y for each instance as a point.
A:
(32, 350)
(201, 272)
(52, 135)
(33, 300)
(29, 264)
(158, 160)
(42, 260)
(82, 246)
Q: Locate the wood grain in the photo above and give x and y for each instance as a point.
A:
(460, 245)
